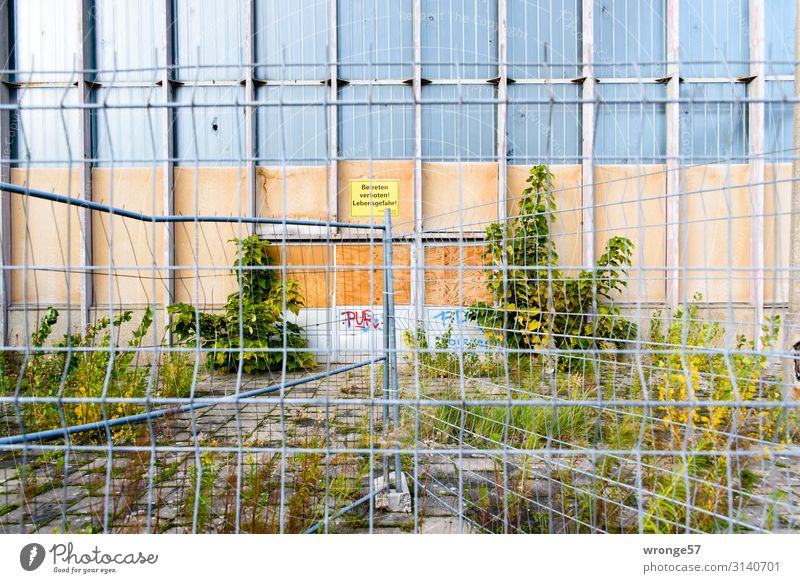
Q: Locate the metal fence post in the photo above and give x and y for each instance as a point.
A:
(390, 337)
(387, 244)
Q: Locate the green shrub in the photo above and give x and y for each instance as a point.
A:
(253, 318)
(93, 375)
(534, 305)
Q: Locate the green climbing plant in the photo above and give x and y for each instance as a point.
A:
(533, 303)
(253, 319)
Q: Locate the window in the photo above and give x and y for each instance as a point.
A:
(544, 39)
(129, 49)
(713, 127)
(376, 118)
(630, 38)
(47, 52)
(465, 133)
(544, 124)
(714, 38)
(630, 130)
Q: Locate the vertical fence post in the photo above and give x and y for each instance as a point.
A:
(390, 337)
(387, 244)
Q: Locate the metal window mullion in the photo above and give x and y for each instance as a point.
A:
(673, 119)
(168, 164)
(418, 257)
(756, 90)
(333, 112)
(84, 215)
(587, 129)
(250, 110)
(502, 109)
(5, 169)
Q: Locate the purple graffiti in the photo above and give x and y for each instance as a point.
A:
(363, 320)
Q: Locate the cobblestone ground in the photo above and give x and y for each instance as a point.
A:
(221, 470)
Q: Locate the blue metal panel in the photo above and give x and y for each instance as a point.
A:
(630, 38)
(630, 133)
(714, 38)
(459, 39)
(544, 39)
(779, 25)
(544, 132)
(378, 131)
(129, 40)
(128, 136)
(375, 39)
(209, 127)
(210, 39)
(48, 136)
(294, 134)
(713, 122)
(779, 121)
(292, 39)
(454, 131)
(47, 40)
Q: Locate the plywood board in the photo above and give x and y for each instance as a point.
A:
(45, 235)
(311, 266)
(630, 202)
(402, 170)
(566, 230)
(136, 248)
(459, 195)
(715, 236)
(777, 232)
(299, 192)
(454, 276)
(205, 251)
(364, 287)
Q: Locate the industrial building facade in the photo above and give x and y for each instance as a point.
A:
(663, 120)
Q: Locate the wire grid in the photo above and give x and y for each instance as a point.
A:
(694, 431)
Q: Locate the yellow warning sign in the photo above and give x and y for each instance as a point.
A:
(369, 198)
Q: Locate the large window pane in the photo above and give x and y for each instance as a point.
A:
(48, 127)
(779, 121)
(375, 39)
(459, 127)
(543, 38)
(544, 124)
(380, 130)
(630, 130)
(713, 127)
(128, 133)
(714, 38)
(129, 39)
(459, 39)
(292, 125)
(47, 40)
(779, 25)
(630, 38)
(210, 39)
(292, 39)
(210, 127)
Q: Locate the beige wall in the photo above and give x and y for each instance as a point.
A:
(212, 191)
(567, 231)
(402, 170)
(459, 196)
(630, 200)
(129, 243)
(715, 239)
(777, 216)
(45, 235)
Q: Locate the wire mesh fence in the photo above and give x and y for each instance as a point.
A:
(425, 266)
